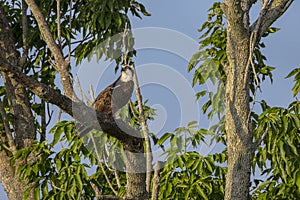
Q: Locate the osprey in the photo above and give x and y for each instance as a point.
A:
(116, 95)
(113, 97)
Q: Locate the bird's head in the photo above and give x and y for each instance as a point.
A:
(126, 73)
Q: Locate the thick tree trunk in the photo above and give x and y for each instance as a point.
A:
(136, 176)
(9, 179)
(237, 120)
(23, 121)
(241, 39)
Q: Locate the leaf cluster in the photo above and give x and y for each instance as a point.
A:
(278, 157)
(187, 174)
(67, 173)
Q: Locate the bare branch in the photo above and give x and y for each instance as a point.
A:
(24, 33)
(61, 65)
(275, 9)
(82, 94)
(92, 93)
(58, 23)
(70, 24)
(117, 178)
(43, 122)
(50, 114)
(253, 41)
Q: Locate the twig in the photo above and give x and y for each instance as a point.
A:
(124, 44)
(92, 94)
(70, 24)
(10, 139)
(253, 104)
(59, 115)
(72, 51)
(24, 33)
(78, 85)
(117, 178)
(253, 40)
(50, 114)
(96, 189)
(132, 109)
(261, 138)
(43, 122)
(101, 166)
(58, 23)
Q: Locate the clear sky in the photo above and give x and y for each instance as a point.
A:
(182, 19)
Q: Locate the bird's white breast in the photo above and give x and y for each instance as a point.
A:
(126, 76)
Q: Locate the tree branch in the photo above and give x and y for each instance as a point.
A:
(61, 65)
(78, 110)
(23, 123)
(24, 33)
(275, 9)
(58, 23)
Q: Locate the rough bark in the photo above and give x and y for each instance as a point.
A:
(240, 40)
(135, 175)
(238, 130)
(9, 179)
(23, 121)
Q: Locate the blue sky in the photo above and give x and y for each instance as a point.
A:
(185, 17)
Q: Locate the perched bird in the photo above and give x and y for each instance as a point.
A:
(113, 97)
(116, 95)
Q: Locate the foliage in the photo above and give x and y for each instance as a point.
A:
(69, 172)
(296, 87)
(187, 174)
(210, 60)
(279, 155)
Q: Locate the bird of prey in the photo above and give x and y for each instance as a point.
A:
(116, 95)
(113, 97)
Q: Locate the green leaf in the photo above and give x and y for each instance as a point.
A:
(164, 138)
(297, 179)
(78, 182)
(201, 192)
(293, 72)
(36, 193)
